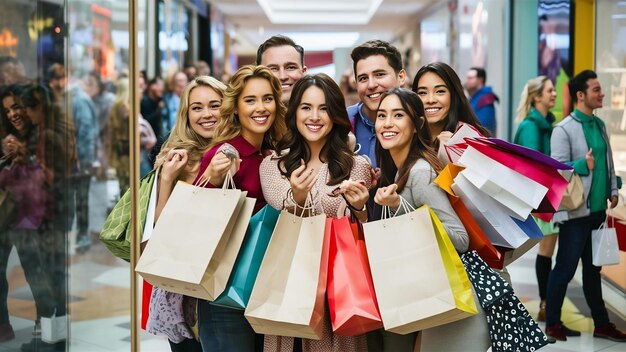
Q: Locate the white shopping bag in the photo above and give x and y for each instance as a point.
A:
(54, 329)
(515, 191)
(451, 151)
(495, 219)
(604, 248)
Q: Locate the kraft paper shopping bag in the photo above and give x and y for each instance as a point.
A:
(288, 298)
(192, 231)
(412, 285)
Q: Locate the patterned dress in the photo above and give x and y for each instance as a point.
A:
(275, 190)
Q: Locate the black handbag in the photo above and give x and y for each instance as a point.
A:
(510, 325)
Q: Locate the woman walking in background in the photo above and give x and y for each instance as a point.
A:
(534, 131)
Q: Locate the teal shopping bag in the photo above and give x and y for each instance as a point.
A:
(241, 281)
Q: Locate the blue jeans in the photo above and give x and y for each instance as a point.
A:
(224, 329)
(575, 244)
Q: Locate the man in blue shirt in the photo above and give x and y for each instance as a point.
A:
(377, 67)
(482, 98)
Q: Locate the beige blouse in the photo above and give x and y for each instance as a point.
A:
(276, 188)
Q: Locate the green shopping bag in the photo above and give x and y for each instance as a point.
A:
(241, 281)
(116, 231)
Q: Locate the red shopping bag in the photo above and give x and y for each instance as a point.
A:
(350, 289)
(477, 239)
(530, 163)
(620, 229)
(145, 302)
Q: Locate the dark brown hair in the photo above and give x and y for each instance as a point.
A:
(377, 47)
(421, 146)
(336, 151)
(460, 109)
(279, 40)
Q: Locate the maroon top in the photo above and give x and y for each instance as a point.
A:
(247, 178)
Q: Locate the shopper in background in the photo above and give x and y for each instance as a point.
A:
(581, 141)
(286, 61)
(534, 131)
(482, 98)
(445, 104)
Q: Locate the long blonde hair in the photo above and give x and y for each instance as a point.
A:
(182, 135)
(229, 127)
(532, 89)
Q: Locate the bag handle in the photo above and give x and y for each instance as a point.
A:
(404, 205)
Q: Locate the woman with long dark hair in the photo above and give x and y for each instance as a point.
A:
(408, 166)
(314, 158)
(445, 103)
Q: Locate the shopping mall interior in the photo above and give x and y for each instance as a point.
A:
(85, 51)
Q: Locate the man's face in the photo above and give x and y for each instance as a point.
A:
(286, 64)
(592, 97)
(472, 83)
(57, 84)
(374, 76)
(180, 81)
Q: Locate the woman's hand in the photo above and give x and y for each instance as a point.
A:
(444, 137)
(218, 168)
(302, 182)
(387, 196)
(591, 161)
(355, 193)
(174, 164)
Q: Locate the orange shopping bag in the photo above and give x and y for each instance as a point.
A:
(350, 290)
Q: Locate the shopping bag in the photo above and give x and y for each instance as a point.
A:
(620, 230)
(288, 297)
(477, 239)
(116, 232)
(54, 328)
(350, 290)
(495, 220)
(511, 327)
(196, 229)
(515, 191)
(412, 286)
(146, 293)
(535, 165)
(574, 195)
(604, 248)
(241, 281)
(451, 151)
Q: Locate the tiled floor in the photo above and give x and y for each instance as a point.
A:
(100, 299)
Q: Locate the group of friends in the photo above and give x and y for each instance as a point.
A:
(296, 139)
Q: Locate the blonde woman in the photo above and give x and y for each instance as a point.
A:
(252, 122)
(534, 131)
(179, 159)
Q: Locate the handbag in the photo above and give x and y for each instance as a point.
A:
(246, 268)
(193, 246)
(574, 195)
(116, 232)
(350, 290)
(604, 247)
(511, 327)
(54, 328)
(288, 297)
(416, 278)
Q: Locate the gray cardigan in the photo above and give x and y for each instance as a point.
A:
(568, 145)
(420, 189)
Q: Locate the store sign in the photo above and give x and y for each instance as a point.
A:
(8, 43)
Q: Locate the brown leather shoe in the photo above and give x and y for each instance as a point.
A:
(560, 332)
(541, 316)
(6, 332)
(609, 331)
